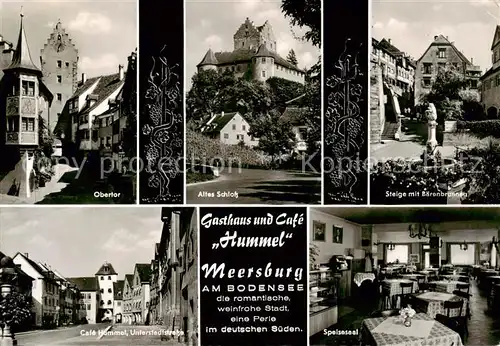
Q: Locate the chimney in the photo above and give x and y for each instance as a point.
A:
(27, 255)
(389, 40)
(472, 61)
(84, 78)
(120, 71)
(436, 37)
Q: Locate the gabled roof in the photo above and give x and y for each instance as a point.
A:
(144, 271)
(85, 86)
(389, 47)
(105, 87)
(118, 289)
(22, 56)
(106, 269)
(208, 59)
(246, 55)
(263, 52)
(443, 41)
(85, 284)
(130, 279)
(496, 37)
(217, 123)
(40, 269)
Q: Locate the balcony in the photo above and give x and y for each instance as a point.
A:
(21, 138)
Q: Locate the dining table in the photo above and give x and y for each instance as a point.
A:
(447, 286)
(394, 286)
(433, 303)
(423, 331)
(455, 277)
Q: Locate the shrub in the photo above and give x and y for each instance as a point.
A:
(204, 150)
(482, 129)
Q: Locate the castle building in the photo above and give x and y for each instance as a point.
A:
(254, 55)
(442, 53)
(59, 64)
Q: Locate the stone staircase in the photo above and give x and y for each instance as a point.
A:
(390, 130)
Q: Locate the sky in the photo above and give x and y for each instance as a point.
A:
(412, 25)
(212, 24)
(77, 241)
(105, 32)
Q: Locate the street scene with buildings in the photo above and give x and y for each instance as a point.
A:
(68, 95)
(253, 109)
(434, 103)
(122, 276)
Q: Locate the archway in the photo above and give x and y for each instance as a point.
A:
(492, 113)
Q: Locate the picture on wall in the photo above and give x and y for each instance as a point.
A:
(414, 258)
(338, 234)
(319, 231)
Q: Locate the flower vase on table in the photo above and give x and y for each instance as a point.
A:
(407, 314)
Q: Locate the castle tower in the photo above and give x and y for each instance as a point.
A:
(263, 63)
(106, 276)
(24, 99)
(209, 62)
(59, 60)
(249, 36)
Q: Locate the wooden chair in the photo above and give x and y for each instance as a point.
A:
(458, 323)
(386, 298)
(465, 296)
(432, 287)
(463, 287)
(406, 294)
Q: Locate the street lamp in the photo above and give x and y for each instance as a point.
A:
(7, 276)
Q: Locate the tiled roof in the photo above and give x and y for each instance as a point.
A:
(386, 45)
(41, 270)
(221, 120)
(85, 86)
(106, 269)
(85, 284)
(144, 270)
(118, 289)
(263, 52)
(105, 87)
(130, 279)
(295, 115)
(208, 59)
(22, 56)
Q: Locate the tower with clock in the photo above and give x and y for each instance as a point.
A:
(59, 63)
(24, 99)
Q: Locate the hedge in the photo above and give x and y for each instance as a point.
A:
(482, 129)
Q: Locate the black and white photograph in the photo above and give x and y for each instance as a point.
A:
(67, 94)
(161, 119)
(345, 102)
(99, 276)
(253, 102)
(434, 108)
(426, 276)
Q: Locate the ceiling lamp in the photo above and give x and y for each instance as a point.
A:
(420, 230)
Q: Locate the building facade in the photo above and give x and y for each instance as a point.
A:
(254, 55)
(88, 298)
(106, 277)
(229, 128)
(128, 299)
(141, 293)
(490, 81)
(59, 65)
(118, 301)
(443, 53)
(44, 292)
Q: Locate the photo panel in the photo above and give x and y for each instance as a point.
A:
(161, 120)
(434, 119)
(253, 109)
(68, 99)
(345, 100)
(253, 291)
(123, 276)
(380, 275)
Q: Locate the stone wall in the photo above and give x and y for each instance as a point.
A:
(376, 104)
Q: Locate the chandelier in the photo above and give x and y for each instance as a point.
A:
(420, 230)
(391, 246)
(464, 246)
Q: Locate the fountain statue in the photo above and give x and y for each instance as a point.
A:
(431, 115)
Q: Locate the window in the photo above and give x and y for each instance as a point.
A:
(109, 302)
(427, 68)
(118, 303)
(89, 307)
(399, 254)
(102, 290)
(242, 137)
(59, 79)
(263, 60)
(28, 125)
(264, 74)
(59, 63)
(59, 97)
(109, 277)
(442, 53)
(67, 64)
(110, 290)
(462, 257)
(226, 136)
(237, 137)
(427, 82)
(28, 88)
(243, 127)
(102, 302)
(102, 277)
(234, 126)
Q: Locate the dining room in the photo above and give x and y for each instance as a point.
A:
(404, 276)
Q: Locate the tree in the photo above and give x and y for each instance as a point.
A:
(15, 309)
(305, 13)
(292, 58)
(283, 90)
(276, 137)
